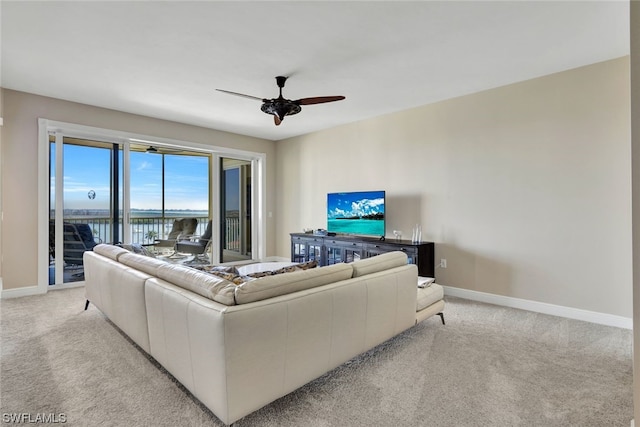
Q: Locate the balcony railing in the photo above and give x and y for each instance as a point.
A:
(147, 229)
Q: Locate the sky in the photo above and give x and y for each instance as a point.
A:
(87, 173)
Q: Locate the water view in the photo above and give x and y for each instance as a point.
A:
(147, 225)
(370, 227)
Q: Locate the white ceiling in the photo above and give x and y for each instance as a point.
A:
(165, 59)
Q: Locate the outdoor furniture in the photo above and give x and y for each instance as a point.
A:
(77, 239)
(198, 246)
(182, 229)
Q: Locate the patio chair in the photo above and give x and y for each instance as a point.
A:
(77, 239)
(182, 229)
(198, 246)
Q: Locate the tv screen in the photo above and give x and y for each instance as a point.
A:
(359, 212)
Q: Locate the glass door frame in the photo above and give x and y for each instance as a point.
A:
(244, 238)
(258, 202)
(63, 129)
(60, 134)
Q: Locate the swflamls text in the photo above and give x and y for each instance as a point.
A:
(39, 418)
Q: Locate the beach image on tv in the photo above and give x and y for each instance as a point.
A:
(356, 213)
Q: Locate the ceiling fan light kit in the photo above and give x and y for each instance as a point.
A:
(280, 107)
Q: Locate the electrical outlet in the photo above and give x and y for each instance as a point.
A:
(443, 263)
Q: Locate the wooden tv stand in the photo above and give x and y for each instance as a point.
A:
(329, 250)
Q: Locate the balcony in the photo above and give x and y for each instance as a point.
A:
(147, 229)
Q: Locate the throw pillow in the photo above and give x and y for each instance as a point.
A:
(307, 265)
(223, 274)
(225, 269)
(261, 274)
(229, 276)
(289, 269)
(136, 248)
(239, 280)
(217, 268)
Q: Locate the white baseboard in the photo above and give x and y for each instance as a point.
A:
(66, 285)
(541, 307)
(535, 306)
(20, 292)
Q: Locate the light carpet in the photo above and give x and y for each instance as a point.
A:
(488, 366)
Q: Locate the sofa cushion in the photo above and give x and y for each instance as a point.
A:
(110, 251)
(429, 295)
(281, 284)
(140, 262)
(207, 285)
(379, 263)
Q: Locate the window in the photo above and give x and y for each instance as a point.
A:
(129, 188)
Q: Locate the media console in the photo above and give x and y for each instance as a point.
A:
(329, 250)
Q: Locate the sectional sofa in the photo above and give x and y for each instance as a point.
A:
(239, 346)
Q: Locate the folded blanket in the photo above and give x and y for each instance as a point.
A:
(424, 282)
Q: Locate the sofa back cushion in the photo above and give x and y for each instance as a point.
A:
(207, 285)
(281, 284)
(140, 262)
(110, 251)
(379, 263)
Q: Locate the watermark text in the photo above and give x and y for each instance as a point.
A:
(38, 418)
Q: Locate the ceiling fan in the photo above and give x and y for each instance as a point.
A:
(280, 107)
(162, 150)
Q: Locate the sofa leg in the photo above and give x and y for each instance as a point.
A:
(86, 305)
(441, 314)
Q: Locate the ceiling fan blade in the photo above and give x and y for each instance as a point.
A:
(318, 100)
(276, 120)
(240, 94)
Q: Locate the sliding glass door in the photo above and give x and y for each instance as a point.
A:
(235, 202)
(167, 184)
(98, 185)
(85, 203)
(88, 176)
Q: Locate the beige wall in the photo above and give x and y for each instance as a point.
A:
(525, 188)
(19, 154)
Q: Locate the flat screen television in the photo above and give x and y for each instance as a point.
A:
(358, 213)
